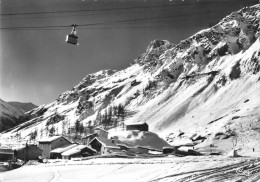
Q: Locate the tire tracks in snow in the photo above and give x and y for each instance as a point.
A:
(227, 173)
(111, 171)
(55, 175)
(224, 173)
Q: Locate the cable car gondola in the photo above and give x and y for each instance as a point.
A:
(72, 38)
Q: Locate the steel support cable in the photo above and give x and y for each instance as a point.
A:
(112, 28)
(62, 16)
(106, 23)
(108, 9)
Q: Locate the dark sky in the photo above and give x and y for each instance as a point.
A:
(36, 65)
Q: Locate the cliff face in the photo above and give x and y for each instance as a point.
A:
(201, 91)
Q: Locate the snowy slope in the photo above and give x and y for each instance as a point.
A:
(201, 91)
(8, 115)
(166, 169)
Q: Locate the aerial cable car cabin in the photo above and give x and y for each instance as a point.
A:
(72, 38)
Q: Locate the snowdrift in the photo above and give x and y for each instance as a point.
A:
(141, 138)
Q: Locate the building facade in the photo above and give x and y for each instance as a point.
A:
(104, 146)
(6, 154)
(28, 152)
(51, 143)
(137, 126)
(78, 151)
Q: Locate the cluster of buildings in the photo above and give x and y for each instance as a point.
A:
(59, 147)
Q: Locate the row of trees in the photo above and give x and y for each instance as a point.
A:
(49, 131)
(112, 116)
(74, 131)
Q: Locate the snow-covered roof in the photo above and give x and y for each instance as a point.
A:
(23, 146)
(76, 150)
(124, 145)
(6, 151)
(144, 139)
(108, 143)
(19, 147)
(101, 129)
(148, 148)
(169, 147)
(63, 149)
(89, 135)
(139, 123)
(50, 139)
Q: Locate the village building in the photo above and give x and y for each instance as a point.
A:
(88, 138)
(139, 150)
(169, 150)
(6, 154)
(27, 152)
(101, 132)
(137, 126)
(98, 132)
(50, 143)
(123, 146)
(78, 151)
(104, 146)
(56, 153)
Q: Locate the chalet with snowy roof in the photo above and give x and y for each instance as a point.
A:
(98, 132)
(50, 143)
(27, 152)
(56, 153)
(101, 132)
(104, 146)
(6, 154)
(78, 151)
(137, 126)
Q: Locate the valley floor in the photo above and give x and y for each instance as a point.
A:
(205, 168)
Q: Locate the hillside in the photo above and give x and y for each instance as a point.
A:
(8, 115)
(201, 92)
(24, 107)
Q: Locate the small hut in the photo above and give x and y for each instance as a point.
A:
(78, 151)
(57, 153)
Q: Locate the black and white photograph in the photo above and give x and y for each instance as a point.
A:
(129, 91)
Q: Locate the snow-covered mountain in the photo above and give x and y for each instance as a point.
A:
(202, 91)
(24, 107)
(8, 115)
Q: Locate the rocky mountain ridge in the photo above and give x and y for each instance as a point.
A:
(9, 115)
(24, 107)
